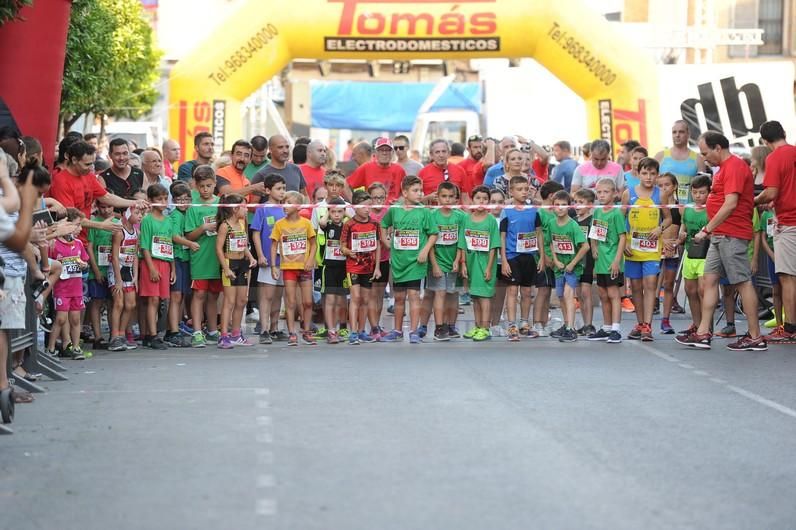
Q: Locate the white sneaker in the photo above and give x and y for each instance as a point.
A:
(496, 331)
(253, 317)
(538, 328)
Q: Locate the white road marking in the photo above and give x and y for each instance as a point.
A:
(763, 401)
(266, 506)
(154, 391)
(266, 481)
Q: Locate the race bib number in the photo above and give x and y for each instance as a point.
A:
(238, 242)
(527, 243)
(771, 226)
(103, 255)
(293, 245)
(406, 239)
(563, 244)
(448, 235)
(162, 248)
(127, 256)
(333, 251)
(210, 219)
(363, 241)
(477, 240)
(683, 191)
(71, 268)
(643, 242)
(598, 230)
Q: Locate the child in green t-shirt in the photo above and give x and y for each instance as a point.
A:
(413, 236)
(200, 226)
(545, 279)
(479, 241)
(694, 218)
(157, 268)
(568, 247)
(181, 196)
(608, 237)
(99, 257)
(443, 275)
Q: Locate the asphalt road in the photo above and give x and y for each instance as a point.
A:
(458, 435)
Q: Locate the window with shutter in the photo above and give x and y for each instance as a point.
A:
(771, 18)
(744, 16)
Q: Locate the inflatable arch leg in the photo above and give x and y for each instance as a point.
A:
(618, 83)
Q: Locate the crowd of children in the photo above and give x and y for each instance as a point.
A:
(508, 250)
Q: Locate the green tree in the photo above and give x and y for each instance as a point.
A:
(112, 65)
(9, 9)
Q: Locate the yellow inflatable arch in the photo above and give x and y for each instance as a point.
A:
(617, 82)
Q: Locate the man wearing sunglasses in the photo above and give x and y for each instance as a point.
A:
(401, 145)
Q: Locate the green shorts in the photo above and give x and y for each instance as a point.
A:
(693, 268)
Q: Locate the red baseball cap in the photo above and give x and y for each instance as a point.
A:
(381, 142)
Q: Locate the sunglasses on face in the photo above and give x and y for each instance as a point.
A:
(400, 147)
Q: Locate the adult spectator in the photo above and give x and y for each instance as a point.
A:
(730, 229)
(313, 169)
(33, 153)
(171, 155)
(152, 165)
(623, 157)
(349, 150)
(380, 170)
(135, 160)
(121, 178)
(259, 156)
(401, 146)
(780, 188)
(457, 153)
(562, 173)
(77, 187)
(92, 140)
(494, 159)
(362, 153)
(231, 179)
(680, 161)
(599, 166)
(63, 147)
(279, 164)
(473, 165)
(299, 154)
(585, 151)
(439, 170)
(204, 147)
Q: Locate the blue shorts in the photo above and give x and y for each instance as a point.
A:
(772, 274)
(568, 278)
(636, 270)
(98, 290)
(671, 264)
(182, 284)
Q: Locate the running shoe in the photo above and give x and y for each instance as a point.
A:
(453, 333)
(415, 338)
(279, 335)
(677, 308)
(587, 330)
(343, 333)
(481, 334)
(779, 335)
(185, 328)
(568, 335)
(422, 331)
(525, 328)
(213, 336)
(393, 336)
(557, 333)
(353, 338)
(441, 333)
(540, 330)
(322, 333)
(225, 343)
(240, 340)
(376, 332)
(198, 340)
(265, 338)
(727, 332)
(513, 333)
(469, 333)
(600, 334)
(332, 337)
(666, 327)
(646, 333)
(614, 337)
(292, 339)
(685, 333)
(635, 333)
(747, 343)
(307, 338)
(117, 344)
(695, 340)
(627, 306)
(364, 337)
(156, 343)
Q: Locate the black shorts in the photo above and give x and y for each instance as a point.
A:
(588, 269)
(523, 270)
(363, 280)
(241, 269)
(402, 286)
(546, 278)
(605, 280)
(384, 268)
(332, 279)
(501, 279)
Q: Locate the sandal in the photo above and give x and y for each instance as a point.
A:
(21, 396)
(27, 376)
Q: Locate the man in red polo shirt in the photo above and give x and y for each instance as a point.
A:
(440, 171)
(780, 184)
(77, 186)
(730, 207)
(381, 170)
(473, 164)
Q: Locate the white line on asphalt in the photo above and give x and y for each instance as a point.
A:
(261, 391)
(264, 421)
(656, 353)
(757, 398)
(266, 507)
(266, 481)
(263, 404)
(155, 390)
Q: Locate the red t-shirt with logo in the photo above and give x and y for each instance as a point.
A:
(781, 174)
(76, 191)
(432, 176)
(475, 173)
(734, 176)
(363, 239)
(370, 172)
(313, 176)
